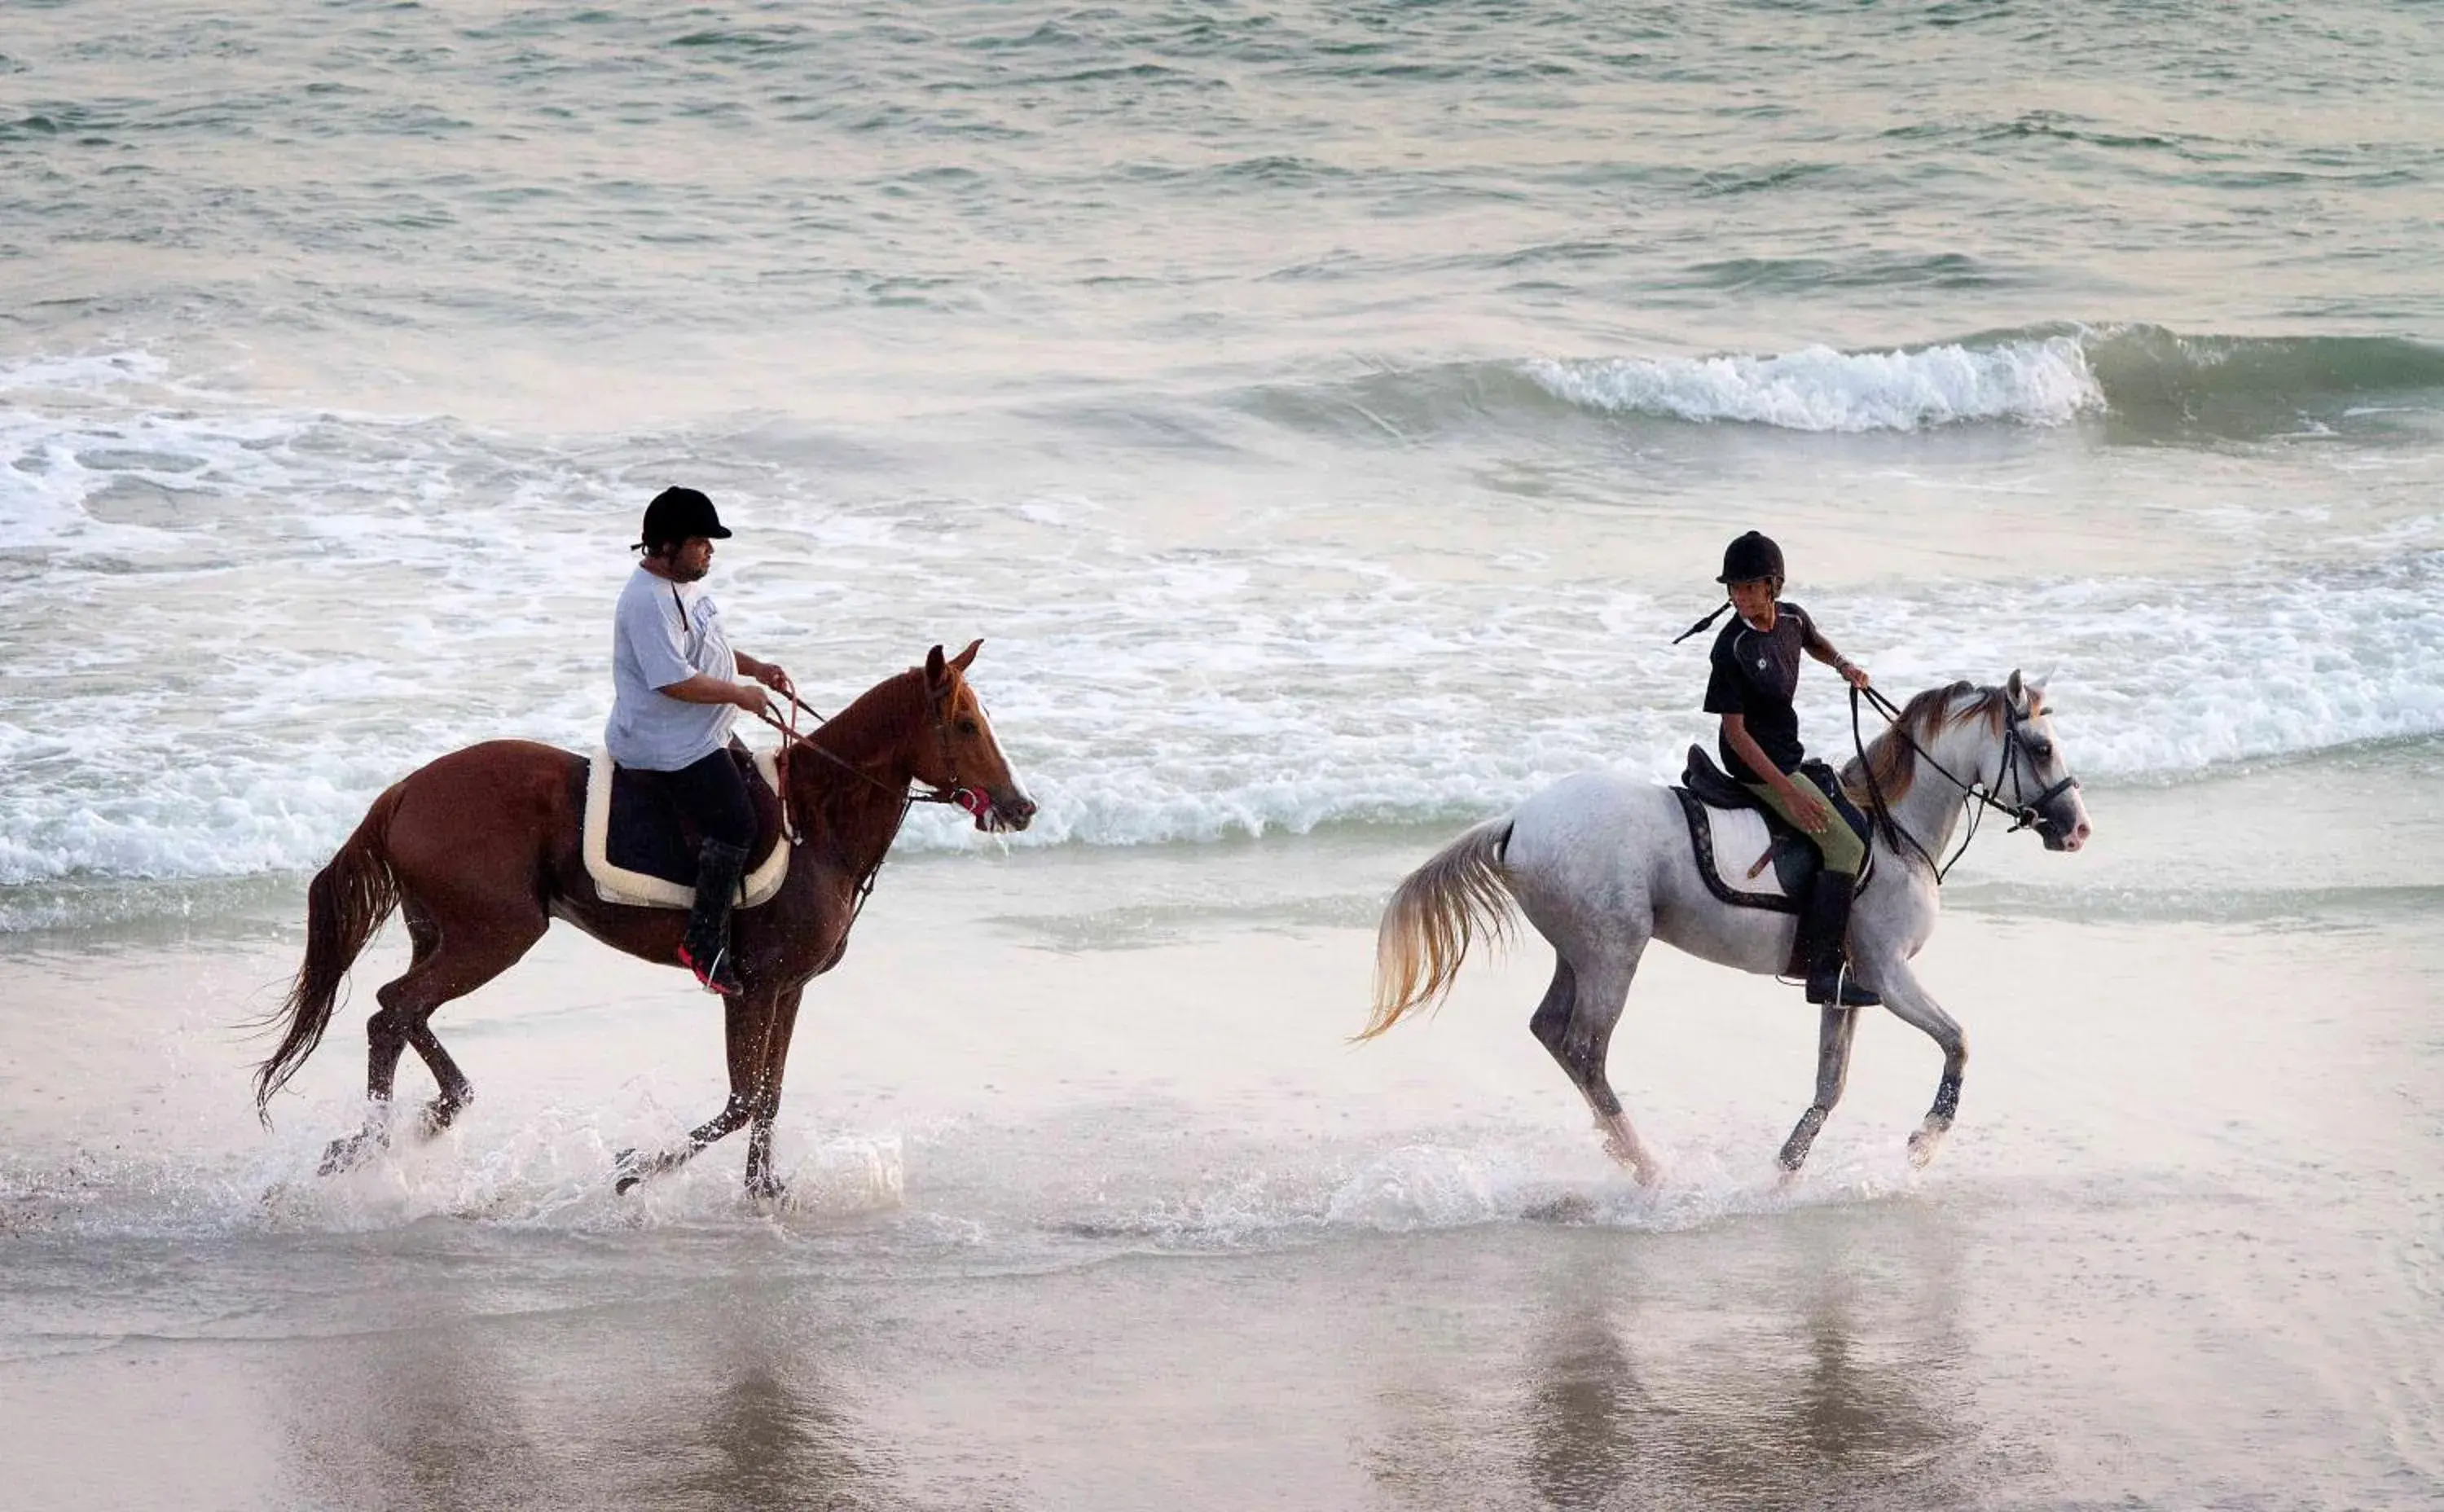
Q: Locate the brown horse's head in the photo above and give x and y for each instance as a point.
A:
(964, 759)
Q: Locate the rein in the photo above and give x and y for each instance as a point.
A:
(795, 740)
(2023, 811)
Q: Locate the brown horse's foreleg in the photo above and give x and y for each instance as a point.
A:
(760, 1180)
(446, 965)
(746, 1020)
(629, 1168)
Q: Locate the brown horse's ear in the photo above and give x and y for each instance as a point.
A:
(959, 663)
(933, 667)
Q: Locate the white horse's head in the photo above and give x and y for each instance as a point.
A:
(2033, 774)
(1998, 739)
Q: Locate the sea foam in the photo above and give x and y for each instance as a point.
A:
(2043, 381)
(250, 621)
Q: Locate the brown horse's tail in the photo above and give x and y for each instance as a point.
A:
(1435, 912)
(344, 906)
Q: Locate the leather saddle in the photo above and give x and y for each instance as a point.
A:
(1749, 856)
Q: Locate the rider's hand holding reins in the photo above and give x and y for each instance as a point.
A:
(767, 673)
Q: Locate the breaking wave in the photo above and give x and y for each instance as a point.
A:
(2142, 376)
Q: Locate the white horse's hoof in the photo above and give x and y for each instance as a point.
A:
(1922, 1146)
(1569, 1207)
(1642, 1167)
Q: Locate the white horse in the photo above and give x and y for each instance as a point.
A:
(1601, 865)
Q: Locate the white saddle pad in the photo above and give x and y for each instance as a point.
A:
(1739, 842)
(617, 884)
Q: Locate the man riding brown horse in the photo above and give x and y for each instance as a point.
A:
(483, 848)
(675, 695)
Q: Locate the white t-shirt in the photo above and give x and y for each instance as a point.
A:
(664, 632)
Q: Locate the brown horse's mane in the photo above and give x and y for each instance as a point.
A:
(861, 735)
(1893, 760)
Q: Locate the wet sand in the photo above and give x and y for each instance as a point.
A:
(1094, 1207)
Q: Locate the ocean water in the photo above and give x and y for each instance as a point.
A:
(1328, 414)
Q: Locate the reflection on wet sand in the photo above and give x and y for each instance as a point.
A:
(417, 1417)
(1657, 1379)
(757, 1424)
(706, 1405)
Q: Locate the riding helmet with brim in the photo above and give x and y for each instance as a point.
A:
(1752, 557)
(1749, 558)
(679, 514)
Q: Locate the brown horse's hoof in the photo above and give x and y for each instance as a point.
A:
(440, 1114)
(628, 1171)
(342, 1154)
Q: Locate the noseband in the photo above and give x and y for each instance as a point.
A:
(2026, 812)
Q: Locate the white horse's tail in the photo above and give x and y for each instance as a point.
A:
(1434, 913)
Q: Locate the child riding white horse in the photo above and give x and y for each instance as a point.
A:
(1755, 670)
(1601, 865)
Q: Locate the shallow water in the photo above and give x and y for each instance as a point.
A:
(1328, 414)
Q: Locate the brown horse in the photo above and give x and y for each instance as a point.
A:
(482, 850)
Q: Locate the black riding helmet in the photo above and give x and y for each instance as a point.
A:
(679, 514)
(1750, 557)
(1746, 560)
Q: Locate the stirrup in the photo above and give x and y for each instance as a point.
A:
(1844, 987)
(721, 978)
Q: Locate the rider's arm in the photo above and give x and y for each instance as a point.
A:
(1800, 800)
(767, 673)
(1812, 640)
(705, 689)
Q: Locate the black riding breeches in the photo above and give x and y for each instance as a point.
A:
(712, 792)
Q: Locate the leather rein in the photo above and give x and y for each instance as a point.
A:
(795, 738)
(2026, 811)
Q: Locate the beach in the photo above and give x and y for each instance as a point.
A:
(1100, 1209)
(1327, 417)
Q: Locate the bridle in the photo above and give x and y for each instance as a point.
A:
(795, 740)
(2026, 813)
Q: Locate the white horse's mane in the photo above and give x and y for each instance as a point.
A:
(1893, 760)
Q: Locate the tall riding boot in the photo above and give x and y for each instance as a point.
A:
(1824, 937)
(705, 949)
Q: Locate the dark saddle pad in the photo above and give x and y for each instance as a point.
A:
(648, 833)
(1796, 860)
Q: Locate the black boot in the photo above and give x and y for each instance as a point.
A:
(1823, 932)
(705, 949)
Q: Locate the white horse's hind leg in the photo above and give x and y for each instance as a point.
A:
(1575, 1022)
(1833, 1036)
(1912, 1004)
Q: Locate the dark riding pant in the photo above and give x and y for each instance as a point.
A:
(713, 793)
